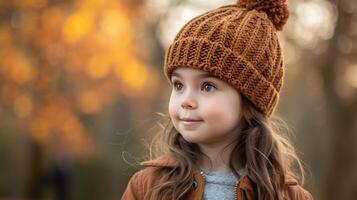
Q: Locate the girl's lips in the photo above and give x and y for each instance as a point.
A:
(190, 119)
(190, 122)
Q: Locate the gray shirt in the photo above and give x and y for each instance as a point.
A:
(219, 185)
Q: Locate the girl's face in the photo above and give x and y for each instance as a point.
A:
(204, 109)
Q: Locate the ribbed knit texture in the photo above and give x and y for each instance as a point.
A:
(237, 45)
(220, 185)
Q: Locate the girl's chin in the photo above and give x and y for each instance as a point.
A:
(191, 138)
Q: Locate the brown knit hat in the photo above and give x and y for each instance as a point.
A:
(238, 44)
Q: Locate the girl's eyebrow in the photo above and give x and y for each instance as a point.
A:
(205, 75)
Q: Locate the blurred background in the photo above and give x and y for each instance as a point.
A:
(81, 84)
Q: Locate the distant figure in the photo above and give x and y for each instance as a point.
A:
(60, 177)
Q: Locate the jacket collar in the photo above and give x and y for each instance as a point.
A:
(167, 160)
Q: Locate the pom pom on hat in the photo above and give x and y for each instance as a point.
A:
(277, 10)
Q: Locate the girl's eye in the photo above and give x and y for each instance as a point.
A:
(208, 87)
(177, 86)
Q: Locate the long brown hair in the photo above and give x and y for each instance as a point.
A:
(264, 149)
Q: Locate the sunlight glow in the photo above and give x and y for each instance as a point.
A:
(315, 20)
(135, 75)
(114, 24)
(174, 21)
(98, 67)
(351, 75)
(77, 25)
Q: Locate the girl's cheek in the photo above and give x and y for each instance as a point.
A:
(218, 109)
(211, 114)
(212, 109)
(173, 106)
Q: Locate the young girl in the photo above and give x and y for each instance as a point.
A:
(226, 68)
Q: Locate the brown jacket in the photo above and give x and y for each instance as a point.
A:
(143, 180)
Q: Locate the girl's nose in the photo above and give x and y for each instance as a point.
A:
(189, 102)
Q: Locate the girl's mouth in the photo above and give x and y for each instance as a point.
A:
(190, 122)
